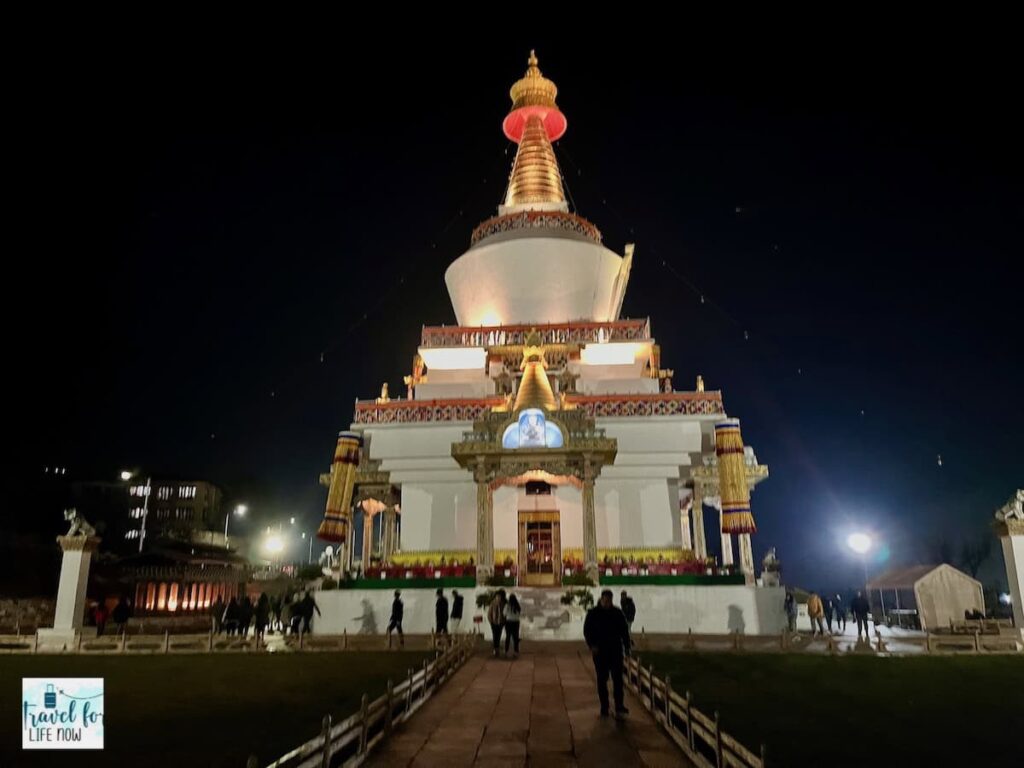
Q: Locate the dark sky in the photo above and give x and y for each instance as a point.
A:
(201, 222)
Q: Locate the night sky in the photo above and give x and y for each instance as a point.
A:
(202, 223)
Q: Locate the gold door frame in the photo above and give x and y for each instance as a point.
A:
(554, 579)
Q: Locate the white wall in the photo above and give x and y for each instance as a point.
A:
(675, 609)
(1013, 555)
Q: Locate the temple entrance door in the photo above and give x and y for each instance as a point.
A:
(540, 549)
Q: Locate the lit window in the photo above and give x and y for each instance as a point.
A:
(164, 493)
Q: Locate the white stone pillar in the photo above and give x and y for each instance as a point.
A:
(69, 615)
(589, 524)
(746, 556)
(1010, 528)
(700, 545)
(484, 525)
(726, 540)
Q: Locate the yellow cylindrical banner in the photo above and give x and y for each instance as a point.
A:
(732, 479)
(337, 515)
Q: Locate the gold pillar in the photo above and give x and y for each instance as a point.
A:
(367, 538)
(589, 523)
(700, 545)
(484, 524)
(388, 533)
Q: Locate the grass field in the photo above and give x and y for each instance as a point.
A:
(208, 710)
(860, 711)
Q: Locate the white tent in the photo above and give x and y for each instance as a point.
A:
(939, 594)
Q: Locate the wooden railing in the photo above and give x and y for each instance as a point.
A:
(349, 742)
(699, 737)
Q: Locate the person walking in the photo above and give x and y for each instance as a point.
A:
(121, 614)
(840, 614)
(789, 605)
(276, 608)
(860, 608)
(397, 614)
(628, 608)
(230, 619)
(457, 601)
(496, 618)
(607, 635)
(100, 614)
(217, 615)
(830, 611)
(513, 613)
(244, 616)
(308, 605)
(816, 612)
(261, 613)
(441, 613)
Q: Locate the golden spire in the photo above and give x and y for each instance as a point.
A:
(534, 122)
(534, 389)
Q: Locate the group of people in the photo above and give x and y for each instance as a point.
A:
(266, 612)
(120, 615)
(831, 609)
(504, 614)
(443, 614)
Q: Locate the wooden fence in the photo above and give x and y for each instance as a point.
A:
(349, 742)
(699, 737)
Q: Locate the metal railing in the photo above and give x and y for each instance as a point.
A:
(699, 737)
(349, 742)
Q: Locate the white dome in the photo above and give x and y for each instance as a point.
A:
(535, 278)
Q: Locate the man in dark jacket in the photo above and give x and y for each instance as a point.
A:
(456, 611)
(607, 635)
(628, 608)
(441, 613)
(860, 608)
(397, 614)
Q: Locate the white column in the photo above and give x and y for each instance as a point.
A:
(484, 525)
(1013, 555)
(700, 545)
(69, 615)
(726, 541)
(746, 556)
(589, 524)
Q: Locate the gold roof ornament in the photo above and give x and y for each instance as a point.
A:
(534, 388)
(533, 89)
(534, 122)
(700, 383)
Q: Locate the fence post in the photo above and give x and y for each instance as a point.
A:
(689, 724)
(302, 638)
(977, 641)
(210, 646)
(167, 641)
(782, 641)
(650, 672)
(344, 639)
(364, 722)
(325, 730)
(124, 640)
(424, 678)
(668, 702)
(390, 706)
(718, 742)
(408, 694)
(35, 642)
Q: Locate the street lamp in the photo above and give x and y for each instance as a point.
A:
(861, 543)
(240, 510)
(126, 476)
(310, 558)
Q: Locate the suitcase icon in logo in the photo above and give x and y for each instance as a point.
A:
(50, 697)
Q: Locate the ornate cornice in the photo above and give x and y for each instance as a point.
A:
(79, 543)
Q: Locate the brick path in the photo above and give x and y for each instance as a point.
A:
(539, 710)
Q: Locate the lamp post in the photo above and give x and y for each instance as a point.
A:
(305, 535)
(861, 543)
(127, 476)
(240, 510)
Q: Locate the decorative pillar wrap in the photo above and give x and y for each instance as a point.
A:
(336, 521)
(732, 479)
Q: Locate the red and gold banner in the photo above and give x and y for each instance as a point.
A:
(337, 515)
(732, 479)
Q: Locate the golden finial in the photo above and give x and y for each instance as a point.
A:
(700, 383)
(533, 89)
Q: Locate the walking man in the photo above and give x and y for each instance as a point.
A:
(816, 613)
(859, 606)
(456, 611)
(789, 604)
(397, 614)
(607, 636)
(441, 613)
(628, 608)
(496, 618)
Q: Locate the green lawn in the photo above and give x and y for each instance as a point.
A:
(859, 711)
(209, 710)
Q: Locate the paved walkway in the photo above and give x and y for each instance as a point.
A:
(539, 710)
